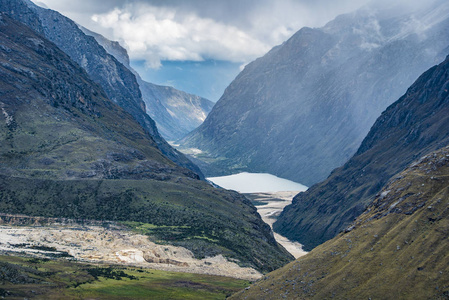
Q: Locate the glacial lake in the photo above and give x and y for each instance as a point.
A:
(256, 183)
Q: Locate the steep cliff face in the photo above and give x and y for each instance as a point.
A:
(66, 150)
(396, 250)
(304, 108)
(176, 113)
(116, 80)
(414, 125)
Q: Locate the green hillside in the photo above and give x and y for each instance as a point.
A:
(66, 150)
(398, 249)
(44, 279)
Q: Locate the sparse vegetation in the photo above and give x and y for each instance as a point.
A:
(49, 279)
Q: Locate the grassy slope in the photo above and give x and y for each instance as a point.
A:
(67, 151)
(398, 249)
(189, 214)
(43, 279)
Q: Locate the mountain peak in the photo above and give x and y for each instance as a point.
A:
(304, 108)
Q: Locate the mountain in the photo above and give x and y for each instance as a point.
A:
(396, 250)
(304, 108)
(176, 113)
(414, 125)
(67, 150)
(117, 81)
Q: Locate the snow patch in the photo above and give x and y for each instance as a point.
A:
(8, 119)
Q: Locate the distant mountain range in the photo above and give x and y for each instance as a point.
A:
(69, 151)
(176, 113)
(304, 108)
(396, 249)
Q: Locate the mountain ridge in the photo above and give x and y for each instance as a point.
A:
(117, 81)
(175, 112)
(409, 128)
(68, 151)
(397, 249)
(304, 108)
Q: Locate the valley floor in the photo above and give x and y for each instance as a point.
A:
(112, 245)
(269, 206)
(26, 278)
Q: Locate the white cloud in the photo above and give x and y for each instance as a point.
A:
(233, 30)
(160, 33)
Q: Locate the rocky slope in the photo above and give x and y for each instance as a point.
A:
(414, 125)
(105, 243)
(304, 108)
(117, 81)
(176, 113)
(396, 250)
(66, 150)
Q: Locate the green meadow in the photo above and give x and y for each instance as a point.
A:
(22, 277)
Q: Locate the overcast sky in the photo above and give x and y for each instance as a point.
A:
(234, 31)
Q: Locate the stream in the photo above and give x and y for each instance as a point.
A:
(270, 206)
(270, 194)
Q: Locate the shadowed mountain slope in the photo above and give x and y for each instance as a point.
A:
(304, 108)
(398, 249)
(117, 81)
(414, 125)
(66, 150)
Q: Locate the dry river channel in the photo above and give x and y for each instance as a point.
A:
(269, 206)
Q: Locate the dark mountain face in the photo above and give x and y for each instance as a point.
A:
(396, 250)
(414, 125)
(117, 81)
(66, 150)
(304, 108)
(176, 113)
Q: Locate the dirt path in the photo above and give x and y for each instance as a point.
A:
(269, 206)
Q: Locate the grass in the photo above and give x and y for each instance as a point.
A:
(162, 233)
(161, 285)
(398, 249)
(59, 279)
(197, 217)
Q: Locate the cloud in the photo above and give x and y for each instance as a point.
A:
(232, 30)
(41, 4)
(163, 33)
